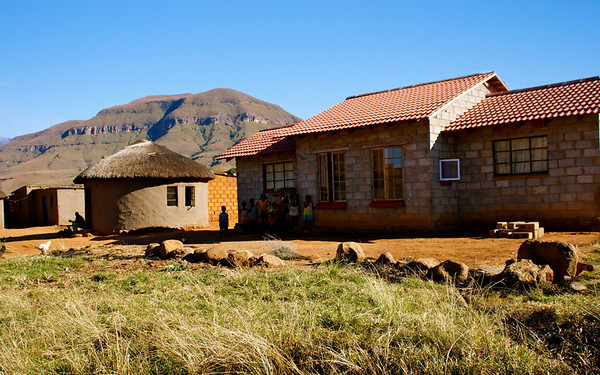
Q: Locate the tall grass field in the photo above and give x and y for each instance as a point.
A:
(78, 316)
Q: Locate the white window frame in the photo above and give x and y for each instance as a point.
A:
(442, 177)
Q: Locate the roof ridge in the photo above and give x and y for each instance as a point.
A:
(278, 127)
(566, 83)
(419, 84)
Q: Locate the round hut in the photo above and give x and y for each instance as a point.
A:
(145, 185)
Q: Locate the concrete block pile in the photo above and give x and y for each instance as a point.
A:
(517, 229)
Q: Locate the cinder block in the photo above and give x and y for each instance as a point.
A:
(527, 235)
(514, 224)
(529, 227)
(501, 225)
(538, 233)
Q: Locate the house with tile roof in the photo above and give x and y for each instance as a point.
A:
(464, 152)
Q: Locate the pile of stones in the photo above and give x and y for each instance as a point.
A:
(538, 263)
(175, 249)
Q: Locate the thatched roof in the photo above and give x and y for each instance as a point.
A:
(3, 195)
(145, 159)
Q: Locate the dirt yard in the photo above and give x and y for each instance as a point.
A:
(474, 251)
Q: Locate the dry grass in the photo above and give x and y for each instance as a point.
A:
(56, 318)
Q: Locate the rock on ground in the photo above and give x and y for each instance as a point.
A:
(151, 249)
(562, 257)
(350, 252)
(217, 255)
(385, 258)
(524, 273)
(269, 260)
(241, 258)
(167, 247)
(449, 271)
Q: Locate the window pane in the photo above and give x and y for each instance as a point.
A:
(521, 168)
(190, 196)
(502, 146)
(502, 168)
(539, 166)
(387, 173)
(171, 195)
(503, 157)
(520, 156)
(520, 144)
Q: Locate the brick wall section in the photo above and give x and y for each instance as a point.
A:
(222, 191)
(568, 196)
(412, 137)
(445, 196)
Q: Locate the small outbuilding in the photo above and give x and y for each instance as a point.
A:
(145, 185)
(41, 205)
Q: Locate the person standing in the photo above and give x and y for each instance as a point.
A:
(253, 216)
(223, 222)
(307, 214)
(294, 209)
(244, 218)
(263, 211)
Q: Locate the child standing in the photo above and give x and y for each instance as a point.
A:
(307, 214)
(223, 222)
(294, 209)
(263, 210)
(253, 216)
(244, 217)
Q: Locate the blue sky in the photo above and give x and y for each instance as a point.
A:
(67, 60)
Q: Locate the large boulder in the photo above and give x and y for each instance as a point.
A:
(217, 256)
(350, 252)
(167, 247)
(241, 258)
(269, 260)
(524, 274)
(449, 271)
(560, 256)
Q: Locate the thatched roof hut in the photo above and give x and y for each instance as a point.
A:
(145, 159)
(145, 185)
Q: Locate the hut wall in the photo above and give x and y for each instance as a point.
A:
(68, 202)
(136, 204)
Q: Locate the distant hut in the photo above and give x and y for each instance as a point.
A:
(3, 197)
(145, 185)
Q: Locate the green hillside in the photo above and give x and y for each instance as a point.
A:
(200, 126)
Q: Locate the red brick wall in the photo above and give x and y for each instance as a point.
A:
(222, 191)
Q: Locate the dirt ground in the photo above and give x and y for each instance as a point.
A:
(472, 250)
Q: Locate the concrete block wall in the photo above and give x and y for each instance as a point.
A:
(568, 196)
(222, 191)
(412, 137)
(250, 174)
(445, 195)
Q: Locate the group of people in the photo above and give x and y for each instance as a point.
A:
(276, 216)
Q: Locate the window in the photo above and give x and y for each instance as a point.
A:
(190, 196)
(521, 155)
(278, 175)
(449, 169)
(387, 173)
(332, 176)
(171, 195)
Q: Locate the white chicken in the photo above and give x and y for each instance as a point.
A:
(44, 247)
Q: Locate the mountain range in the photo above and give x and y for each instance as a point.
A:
(200, 126)
(4, 140)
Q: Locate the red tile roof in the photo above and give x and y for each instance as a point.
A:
(264, 142)
(572, 98)
(401, 104)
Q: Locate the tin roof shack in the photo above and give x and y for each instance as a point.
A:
(36, 205)
(464, 151)
(145, 185)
